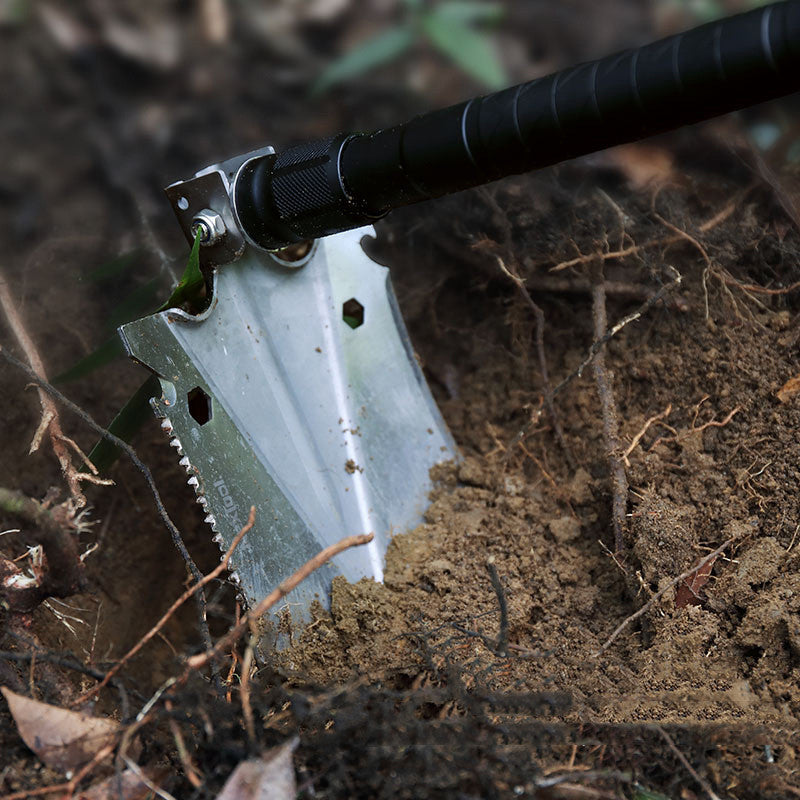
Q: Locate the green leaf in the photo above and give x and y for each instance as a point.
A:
(110, 349)
(470, 11)
(132, 416)
(469, 49)
(372, 53)
(191, 281)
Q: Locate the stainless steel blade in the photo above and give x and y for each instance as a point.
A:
(329, 430)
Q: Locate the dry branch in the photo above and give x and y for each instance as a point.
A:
(215, 573)
(658, 595)
(177, 539)
(201, 659)
(712, 795)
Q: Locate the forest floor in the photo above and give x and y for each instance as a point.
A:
(603, 599)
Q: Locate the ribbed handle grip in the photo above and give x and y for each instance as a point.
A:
(713, 69)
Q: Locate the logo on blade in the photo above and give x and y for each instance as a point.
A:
(228, 506)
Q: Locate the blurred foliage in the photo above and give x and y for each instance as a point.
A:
(137, 410)
(452, 27)
(708, 10)
(135, 304)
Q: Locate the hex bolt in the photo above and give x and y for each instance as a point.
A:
(210, 225)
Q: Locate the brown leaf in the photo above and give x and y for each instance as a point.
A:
(642, 164)
(789, 389)
(129, 785)
(270, 777)
(63, 739)
(689, 590)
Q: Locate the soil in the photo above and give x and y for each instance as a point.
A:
(481, 665)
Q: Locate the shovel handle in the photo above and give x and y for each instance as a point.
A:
(346, 181)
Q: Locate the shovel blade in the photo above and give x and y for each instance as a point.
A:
(297, 391)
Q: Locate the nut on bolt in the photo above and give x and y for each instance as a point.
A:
(210, 225)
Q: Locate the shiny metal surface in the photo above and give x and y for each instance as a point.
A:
(318, 413)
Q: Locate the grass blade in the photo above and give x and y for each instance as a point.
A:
(378, 50)
(470, 50)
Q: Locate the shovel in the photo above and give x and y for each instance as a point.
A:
(297, 390)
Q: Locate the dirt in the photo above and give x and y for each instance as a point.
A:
(489, 633)
(731, 657)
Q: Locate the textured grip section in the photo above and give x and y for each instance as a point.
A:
(302, 178)
(296, 195)
(346, 181)
(713, 69)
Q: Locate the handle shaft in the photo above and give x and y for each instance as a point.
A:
(338, 183)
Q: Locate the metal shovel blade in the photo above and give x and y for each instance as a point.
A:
(297, 391)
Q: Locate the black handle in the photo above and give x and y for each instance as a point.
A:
(346, 181)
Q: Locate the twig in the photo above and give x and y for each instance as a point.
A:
(50, 421)
(189, 769)
(177, 539)
(68, 788)
(689, 768)
(625, 321)
(597, 345)
(201, 659)
(608, 404)
(658, 595)
(501, 646)
(244, 691)
(218, 570)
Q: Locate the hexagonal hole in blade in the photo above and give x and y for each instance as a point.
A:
(199, 405)
(353, 313)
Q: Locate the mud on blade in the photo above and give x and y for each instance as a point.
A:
(297, 391)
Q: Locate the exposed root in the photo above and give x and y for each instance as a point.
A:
(56, 568)
(177, 539)
(619, 480)
(538, 316)
(638, 437)
(50, 422)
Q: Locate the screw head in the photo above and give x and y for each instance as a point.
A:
(210, 225)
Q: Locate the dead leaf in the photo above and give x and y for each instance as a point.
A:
(642, 164)
(270, 777)
(688, 592)
(63, 739)
(127, 786)
(153, 44)
(789, 389)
